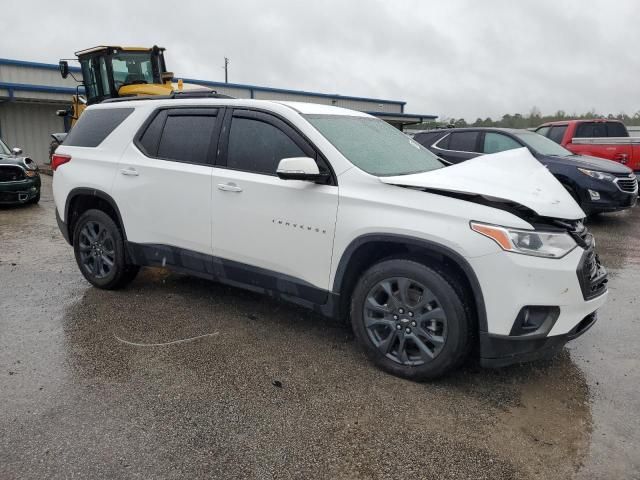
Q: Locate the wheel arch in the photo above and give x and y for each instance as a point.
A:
(369, 249)
(81, 199)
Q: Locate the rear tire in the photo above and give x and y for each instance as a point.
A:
(410, 319)
(99, 249)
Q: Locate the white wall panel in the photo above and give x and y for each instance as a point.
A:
(28, 126)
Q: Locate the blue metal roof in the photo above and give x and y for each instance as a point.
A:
(24, 63)
(255, 88)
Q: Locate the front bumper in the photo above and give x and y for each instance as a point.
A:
(500, 351)
(21, 191)
(612, 198)
(574, 287)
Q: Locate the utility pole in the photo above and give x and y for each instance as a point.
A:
(226, 70)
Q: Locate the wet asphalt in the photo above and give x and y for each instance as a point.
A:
(274, 391)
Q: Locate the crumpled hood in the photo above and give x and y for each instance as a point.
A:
(513, 175)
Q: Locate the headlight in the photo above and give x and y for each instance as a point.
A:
(31, 173)
(597, 175)
(528, 242)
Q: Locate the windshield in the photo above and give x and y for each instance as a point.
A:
(374, 146)
(4, 150)
(542, 144)
(131, 68)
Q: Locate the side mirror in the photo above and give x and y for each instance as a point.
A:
(16, 151)
(299, 168)
(64, 68)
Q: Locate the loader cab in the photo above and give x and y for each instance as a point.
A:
(106, 70)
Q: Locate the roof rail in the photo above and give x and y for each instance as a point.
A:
(198, 94)
(173, 95)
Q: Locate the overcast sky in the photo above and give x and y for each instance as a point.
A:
(451, 58)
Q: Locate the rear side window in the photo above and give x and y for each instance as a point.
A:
(151, 137)
(497, 142)
(616, 129)
(257, 146)
(463, 141)
(96, 125)
(186, 137)
(591, 129)
(557, 133)
(428, 139)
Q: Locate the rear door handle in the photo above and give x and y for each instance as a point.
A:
(229, 187)
(130, 171)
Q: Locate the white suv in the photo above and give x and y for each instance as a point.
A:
(338, 211)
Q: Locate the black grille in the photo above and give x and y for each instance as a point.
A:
(11, 174)
(9, 196)
(591, 274)
(627, 183)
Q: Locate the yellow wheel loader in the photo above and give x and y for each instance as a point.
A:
(114, 72)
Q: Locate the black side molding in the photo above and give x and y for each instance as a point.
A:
(233, 273)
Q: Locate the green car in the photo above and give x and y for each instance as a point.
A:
(19, 177)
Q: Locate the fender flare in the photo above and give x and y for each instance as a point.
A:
(95, 193)
(427, 245)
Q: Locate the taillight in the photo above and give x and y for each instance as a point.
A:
(58, 159)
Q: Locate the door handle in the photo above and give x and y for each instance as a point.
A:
(130, 172)
(229, 187)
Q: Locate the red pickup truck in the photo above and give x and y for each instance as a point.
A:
(599, 138)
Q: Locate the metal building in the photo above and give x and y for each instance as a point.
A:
(31, 93)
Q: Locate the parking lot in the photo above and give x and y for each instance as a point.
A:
(89, 387)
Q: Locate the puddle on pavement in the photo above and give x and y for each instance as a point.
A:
(532, 419)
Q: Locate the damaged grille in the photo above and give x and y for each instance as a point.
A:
(11, 174)
(591, 274)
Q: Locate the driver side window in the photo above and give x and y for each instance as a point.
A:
(257, 146)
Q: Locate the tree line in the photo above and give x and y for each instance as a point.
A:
(530, 120)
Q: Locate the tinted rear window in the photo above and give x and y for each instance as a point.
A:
(428, 139)
(151, 137)
(96, 125)
(186, 138)
(591, 129)
(463, 141)
(616, 129)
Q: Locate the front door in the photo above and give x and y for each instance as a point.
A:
(272, 233)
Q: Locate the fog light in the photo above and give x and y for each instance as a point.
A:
(535, 320)
(594, 195)
(33, 189)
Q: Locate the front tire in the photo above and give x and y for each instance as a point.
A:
(410, 319)
(99, 249)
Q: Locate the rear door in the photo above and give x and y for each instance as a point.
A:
(272, 233)
(163, 187)
(457, 147)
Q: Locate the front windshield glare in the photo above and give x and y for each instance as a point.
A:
(542, 144)
(374, 146)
